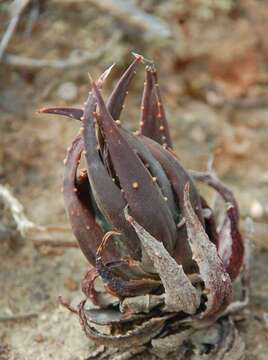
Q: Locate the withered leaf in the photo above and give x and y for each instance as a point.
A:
(218, 286)
(231, 244)
(139, 335)
(180, 294)
(141, 304)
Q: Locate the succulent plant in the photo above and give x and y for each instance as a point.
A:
(160, 264)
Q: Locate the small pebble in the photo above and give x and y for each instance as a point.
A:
(197, 134)
(43, 317)
(55, 318)
(71, 284)
(68, 91)
(47, 250)
(263, 178)
(39, 338)
(256, 210)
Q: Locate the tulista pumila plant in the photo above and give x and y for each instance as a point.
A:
(162, 266)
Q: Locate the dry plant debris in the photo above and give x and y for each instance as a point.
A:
(40, 235)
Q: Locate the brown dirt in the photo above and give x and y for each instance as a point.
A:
(217, 52)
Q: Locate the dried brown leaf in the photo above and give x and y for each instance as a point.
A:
(180, 294)
(218, 286)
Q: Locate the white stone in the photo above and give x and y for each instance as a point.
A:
(256, 209)
(68, 91)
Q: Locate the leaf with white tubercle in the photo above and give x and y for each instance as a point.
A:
(136, 182)
(80, 212)
(71, 112)
(116, 99)
(107, 194)
(178, 177)
(153, 122)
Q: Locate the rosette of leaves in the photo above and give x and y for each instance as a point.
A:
(161, 267)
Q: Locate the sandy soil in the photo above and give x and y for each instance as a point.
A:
(213, 65)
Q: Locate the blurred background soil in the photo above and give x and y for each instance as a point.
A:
(212, 62)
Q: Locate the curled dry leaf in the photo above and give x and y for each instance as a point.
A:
(182, 297)
(141, 304)
(217, 281)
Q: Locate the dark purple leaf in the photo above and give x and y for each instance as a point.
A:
(146, 203)
(80, 212)
(153, 122)
(120, 285)
(116, 100)
(108, 196)
(178, 177)
(73, 113)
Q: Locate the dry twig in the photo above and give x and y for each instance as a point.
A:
(19, 7)
(56, 236)
(247, 103)
(152, 27)
(69, 62)
(18, 317)
(124, 10)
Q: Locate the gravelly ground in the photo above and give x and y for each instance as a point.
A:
(214, 50)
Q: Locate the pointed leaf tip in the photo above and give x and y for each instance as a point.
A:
(116, 99)
(90, 78)
(106, 73)
(142, 59)
(73, 113)
(138, 57)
